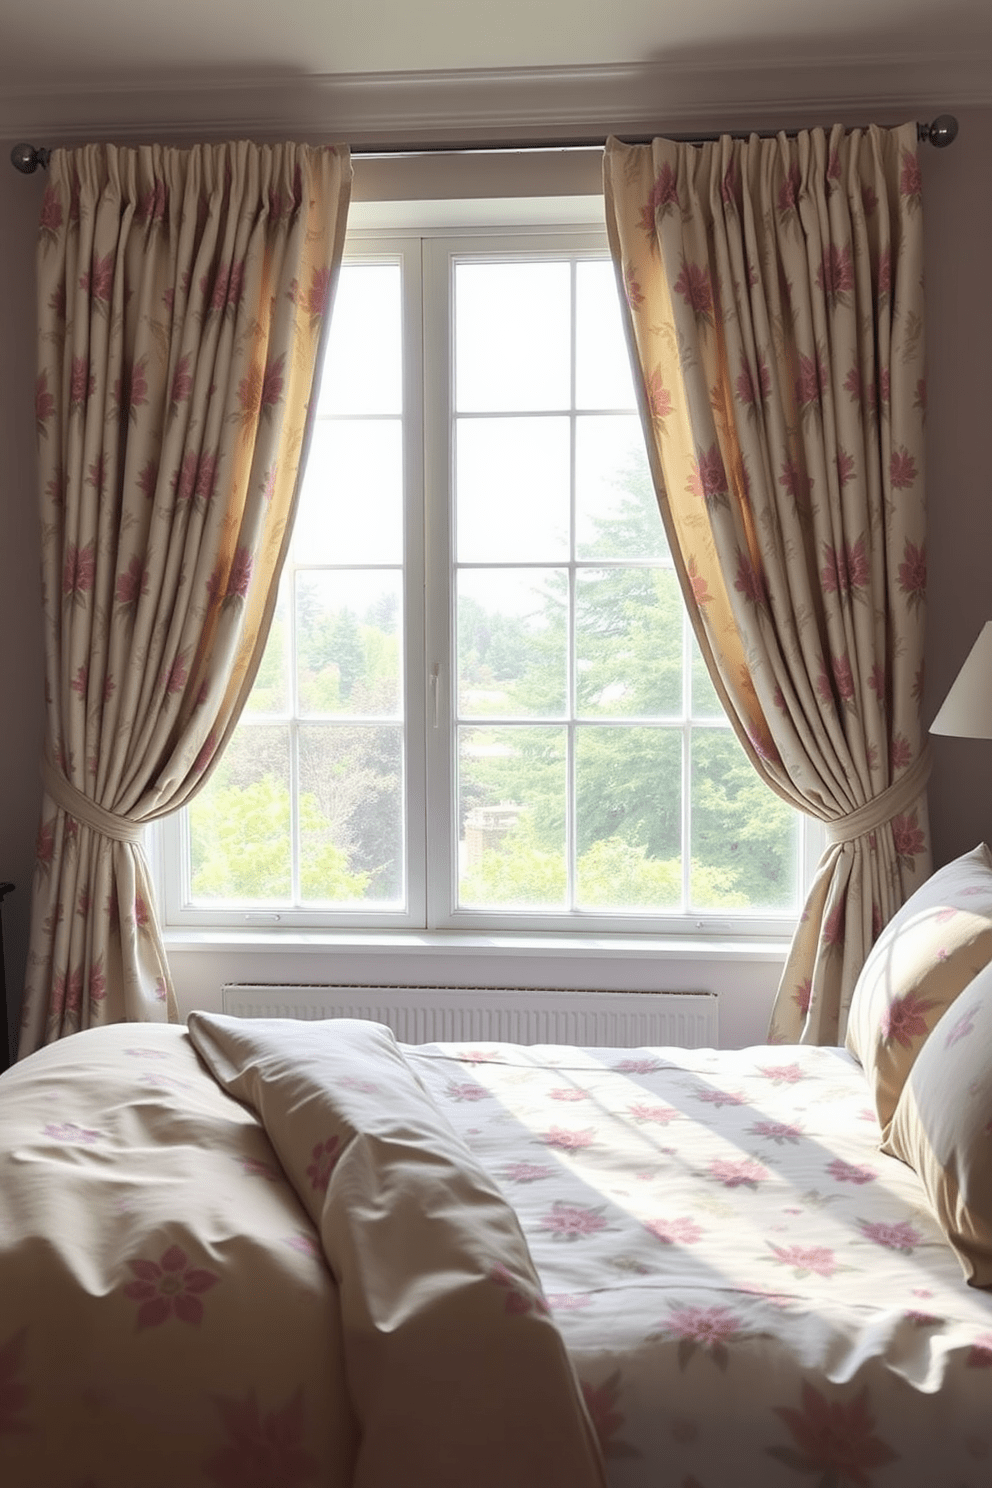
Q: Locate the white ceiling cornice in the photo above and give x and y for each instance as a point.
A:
(512, 104)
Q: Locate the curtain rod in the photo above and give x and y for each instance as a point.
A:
(940, 133)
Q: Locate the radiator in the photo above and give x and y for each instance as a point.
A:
(421, 1015)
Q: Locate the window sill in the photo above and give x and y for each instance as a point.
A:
(293, 942)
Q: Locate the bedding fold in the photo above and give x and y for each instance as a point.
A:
(454, 1367)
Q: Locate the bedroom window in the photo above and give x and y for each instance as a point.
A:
(481, 704)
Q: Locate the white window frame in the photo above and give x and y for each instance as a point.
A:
(447, 230)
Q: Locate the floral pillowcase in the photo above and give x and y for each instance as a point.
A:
(928, 953)
(942, 1126)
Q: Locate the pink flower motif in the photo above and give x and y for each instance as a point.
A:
(748, 581)
(980, 1353)
(638, 1066)
(802, 995)
(846, 1172)
(782, 1074)
(45, 845)
(68, 1131)
(78, 570)
(565, 1221)
(324, 1157)
(206, 753)
(845, 567)
(963, 1026)
(908, 836)
(812, 377)
(132, 584)
(913, 573)
(306, 1245)
(845, 467)
(142, 917)
(526, 1172)
(262, 1451)
(569, 1093)
(811, 1260)
(744, 1172)
(869, 200)
(776, 1131)
(78, 683)
(710, 1328)
(659, 398)
(81, 384)
(833, 1438)
(182, 382)
(663, 194)
(789, 190)
(712, 476)
(51, 211)
(700, 591)
(14, 1394)
(175, 676)
(902, 469)
(900, 752)
(256, 1167)
(184, 479)
(272, 382)
(166, 1286)
(632, 288)
(920, 400)
(250, 394)
(100, 280)
(793, 479)
(568, 1141)
(694, 285)
(567, 1301)
(601, 1403)
(239, 578)
(910, 179)
(853, 384)
(315, 299)
(719, 1098)
(660, 1114)
(835, 276)
(745, 385)
(902, 1236)
(674, 1231)
(467, 1092)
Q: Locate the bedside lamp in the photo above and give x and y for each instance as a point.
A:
(967, 709)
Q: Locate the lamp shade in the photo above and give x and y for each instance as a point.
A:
(967, 708)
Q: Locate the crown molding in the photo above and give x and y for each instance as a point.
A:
(510, 104)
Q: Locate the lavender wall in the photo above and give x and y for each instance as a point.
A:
(958, 207)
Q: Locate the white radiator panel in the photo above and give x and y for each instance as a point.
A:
(421, 1015)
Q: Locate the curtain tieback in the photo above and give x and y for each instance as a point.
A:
(85, 811)
(892, 802)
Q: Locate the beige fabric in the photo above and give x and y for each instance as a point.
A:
(927, 954)
(455, 1369)
(775, 299)
(942, 1126)
(182, 295)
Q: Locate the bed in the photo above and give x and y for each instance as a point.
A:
(269, 1253)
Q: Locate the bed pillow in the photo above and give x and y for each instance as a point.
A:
(927, 954)
(942, 1126)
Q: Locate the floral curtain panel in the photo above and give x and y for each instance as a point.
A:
(182, 295)
(775, 312)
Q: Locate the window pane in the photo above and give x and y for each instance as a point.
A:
(628, 641)
(363, 367)
(512, 336)
(512, 490)
(348, 643)
(511, 811)
(705, 703)
(239, 824)
(628, 810)
(511, 642)
(744, 837)
(351, 504)
(616, 510)
(351, 815)
(602, 362)
(270, 690)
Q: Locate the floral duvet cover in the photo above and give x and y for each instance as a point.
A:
(285, 1260)
(751, 1293)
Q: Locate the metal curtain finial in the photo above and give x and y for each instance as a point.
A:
(27, 158)
(943, 131)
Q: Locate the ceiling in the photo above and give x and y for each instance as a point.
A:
(209, 61)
